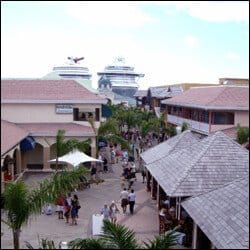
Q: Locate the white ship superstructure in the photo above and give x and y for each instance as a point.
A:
(122, 79)
(72, 69)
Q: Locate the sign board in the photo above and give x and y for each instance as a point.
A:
(64, 109)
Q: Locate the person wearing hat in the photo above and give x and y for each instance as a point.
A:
(106, 212)
(113, 212)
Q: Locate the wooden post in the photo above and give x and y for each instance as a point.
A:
(194, 241)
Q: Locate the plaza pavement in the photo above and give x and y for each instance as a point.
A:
(144, 221)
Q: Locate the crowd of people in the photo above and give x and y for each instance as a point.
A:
(128, 178)
(67, 208)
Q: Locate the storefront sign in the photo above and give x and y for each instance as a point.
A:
(64, 109)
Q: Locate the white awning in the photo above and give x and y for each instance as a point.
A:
(75, 158)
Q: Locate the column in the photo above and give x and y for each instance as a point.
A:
(158, 195)
(148, 176)
(154, 189)
(194, 241)
(179, 208)
(46, 158)
(18, 161)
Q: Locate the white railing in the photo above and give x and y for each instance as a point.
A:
(200, 126)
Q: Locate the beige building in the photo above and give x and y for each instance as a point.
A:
(32, 111)
(209, 109)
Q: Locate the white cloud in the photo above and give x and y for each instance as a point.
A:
(232, 56)
(191, 41)
(110, 14)
(214, 11)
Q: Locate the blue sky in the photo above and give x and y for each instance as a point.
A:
(170, 42)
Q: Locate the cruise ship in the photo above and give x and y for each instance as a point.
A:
(72, 69)
(119, 77)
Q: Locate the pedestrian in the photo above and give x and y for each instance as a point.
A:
(100, 157)
(131, 198)
(124, 155)
(132, 179)
(74, 209)
(69, 198)
(93, 172)
(117, 155)
(113, 212)
(106, 212)
(112, 154)
(60, 203)
(105, 165)
(124, 200)
(66, 209)
(7, 175)
(123, 182)
(143, 173)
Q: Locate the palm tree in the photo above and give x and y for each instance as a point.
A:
(20, 202)
(64, 146)
(116, 236)
(109, 131)
(242, 134)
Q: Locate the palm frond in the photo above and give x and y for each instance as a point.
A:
(119, 140)
(109, 127)
(118, 236)
(51, 188)
(88, 243)
(165, 241)
(17, 204)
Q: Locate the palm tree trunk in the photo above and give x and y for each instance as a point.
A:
(16, 236)
(56, 163)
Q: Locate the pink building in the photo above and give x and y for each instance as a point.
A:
(209, 109)
(34, 110)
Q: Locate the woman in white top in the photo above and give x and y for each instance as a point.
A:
(113, 212)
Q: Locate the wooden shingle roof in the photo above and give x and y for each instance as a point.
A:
(213, 97)
(46, 91)
(205, 165)
(175, 143)
(223, 214)
(11, 135)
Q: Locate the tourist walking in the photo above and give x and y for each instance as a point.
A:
(66, 209)
(113, 212)
(60, 205)
(131, 198)
(124, 200)
(74, 209)
(105, 165)
(93, 172)
(106, 212)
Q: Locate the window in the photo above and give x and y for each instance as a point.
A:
(79, 115)
(223, 118)
(205, 116)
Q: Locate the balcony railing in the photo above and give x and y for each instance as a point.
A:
(195, 125)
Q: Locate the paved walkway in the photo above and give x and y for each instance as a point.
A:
(144, 221)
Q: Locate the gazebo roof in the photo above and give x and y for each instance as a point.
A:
(175, 143)
(203, 166)
(223, 214)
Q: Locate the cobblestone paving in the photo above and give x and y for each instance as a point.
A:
(144, 221)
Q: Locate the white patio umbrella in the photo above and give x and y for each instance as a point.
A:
(75, 158)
